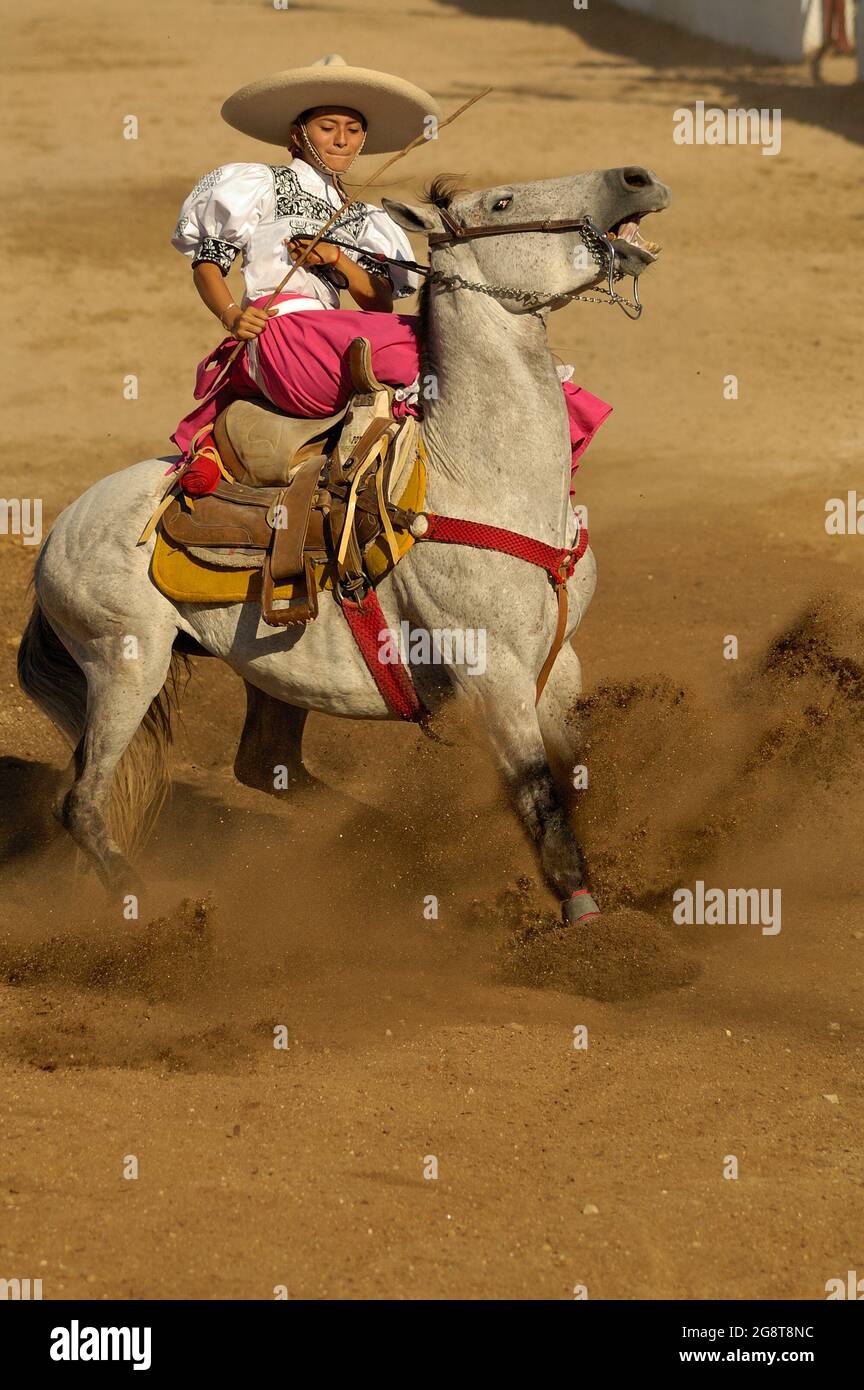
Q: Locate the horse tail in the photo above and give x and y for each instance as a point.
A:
(51, 677)
(55, 682)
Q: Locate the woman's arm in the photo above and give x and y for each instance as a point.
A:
(367, 291)
(240, 323)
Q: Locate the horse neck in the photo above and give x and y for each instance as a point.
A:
(494, 421)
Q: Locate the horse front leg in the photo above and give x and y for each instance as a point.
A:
(517, 744)
(556, 714)
(557, 709)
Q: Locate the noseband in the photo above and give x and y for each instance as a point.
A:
(595, 241)
(456, 232)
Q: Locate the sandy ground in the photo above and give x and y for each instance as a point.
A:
(304, 1167)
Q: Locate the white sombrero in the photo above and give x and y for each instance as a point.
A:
(394, 109)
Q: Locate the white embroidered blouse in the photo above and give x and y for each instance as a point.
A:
(248, 210)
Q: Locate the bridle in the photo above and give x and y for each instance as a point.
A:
(595, 241)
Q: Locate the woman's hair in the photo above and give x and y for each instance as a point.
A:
(294, 128)
(310, 112)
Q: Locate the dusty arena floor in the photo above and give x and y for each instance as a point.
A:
(408, 1039)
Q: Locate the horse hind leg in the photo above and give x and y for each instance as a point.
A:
(121, 769)
(121, 762)
(270, 753)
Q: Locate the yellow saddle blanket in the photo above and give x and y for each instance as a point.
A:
(185, 578)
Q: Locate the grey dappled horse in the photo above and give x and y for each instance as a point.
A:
(496, 435)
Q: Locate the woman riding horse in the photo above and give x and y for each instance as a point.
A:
(296, 356)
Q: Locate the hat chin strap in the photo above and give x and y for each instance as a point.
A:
(334, 174)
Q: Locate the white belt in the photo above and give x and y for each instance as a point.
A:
(296, 306)
(287, 306)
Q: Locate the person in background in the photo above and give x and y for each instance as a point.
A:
(834, 36)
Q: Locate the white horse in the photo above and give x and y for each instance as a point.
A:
(103, 643)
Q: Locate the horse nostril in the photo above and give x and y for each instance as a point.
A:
(634, 177)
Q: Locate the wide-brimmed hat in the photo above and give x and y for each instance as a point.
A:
(394, 109)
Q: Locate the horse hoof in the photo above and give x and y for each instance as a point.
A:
(119, 879)
(579, 907)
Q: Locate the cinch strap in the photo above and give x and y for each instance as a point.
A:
(367, 621)
(559, 564)
(366, 617)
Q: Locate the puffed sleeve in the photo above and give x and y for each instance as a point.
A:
(380, 233)
(221, 213)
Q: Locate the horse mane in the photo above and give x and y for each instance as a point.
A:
(439, 194)
(442, 190)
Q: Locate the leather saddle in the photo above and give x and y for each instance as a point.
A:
(298, 494)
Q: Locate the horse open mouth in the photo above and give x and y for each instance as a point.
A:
(628, 230)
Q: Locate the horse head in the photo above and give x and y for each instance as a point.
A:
(539, 239)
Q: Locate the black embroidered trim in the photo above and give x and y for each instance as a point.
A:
(404, 292)
(220, 253)
(292, 200)
(308, 212)
(367, 262)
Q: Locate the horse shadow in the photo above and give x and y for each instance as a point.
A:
(677, 55)
(27, 822)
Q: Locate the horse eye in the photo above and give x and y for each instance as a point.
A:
(502, 203)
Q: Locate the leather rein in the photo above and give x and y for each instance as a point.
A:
(596, 242)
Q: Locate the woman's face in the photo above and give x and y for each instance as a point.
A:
(337, 134)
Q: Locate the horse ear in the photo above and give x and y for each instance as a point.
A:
(422, 220)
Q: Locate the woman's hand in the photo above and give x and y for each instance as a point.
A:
(368, 291)
(325, 253)
(247, 323)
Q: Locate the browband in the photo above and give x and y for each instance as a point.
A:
(460, 233)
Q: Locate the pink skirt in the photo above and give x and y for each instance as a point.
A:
(300, 363)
